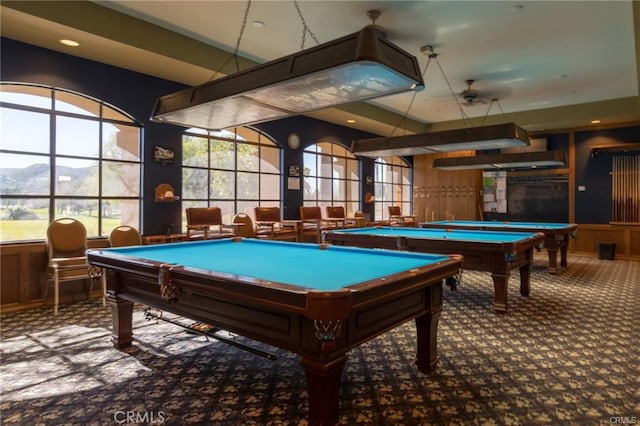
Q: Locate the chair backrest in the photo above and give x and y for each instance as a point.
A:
(267, 214)
(66, 237)
(335, 212)
(359, 214)
(124, 235)
(204, 216)
(310, 213)
(395, 211)
(246, 228)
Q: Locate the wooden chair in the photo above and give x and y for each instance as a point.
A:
(124, 235)
(67, 252)
(336, 214)
(269, 225)
(396, 218)
(360, 219)
(245, 225)
(205, 223)
(313, 224)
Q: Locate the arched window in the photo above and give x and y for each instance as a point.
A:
(392, 186)
(331, 177)
(236, 170)
(65, 155)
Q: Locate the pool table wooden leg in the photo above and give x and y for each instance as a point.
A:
(122, 321)
(323, 389)
(552, 249)
(525, 279)
(564, 245)
(427, 330)
(500, 282)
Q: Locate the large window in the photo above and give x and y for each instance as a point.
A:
(235, 170)
(331, 177)
(65, 155)
(392, 185)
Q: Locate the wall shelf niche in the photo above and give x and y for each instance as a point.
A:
(165, 193)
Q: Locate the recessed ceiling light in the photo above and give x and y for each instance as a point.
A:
(258, 24)
(351, 121)
(595, 121)
(68, 42)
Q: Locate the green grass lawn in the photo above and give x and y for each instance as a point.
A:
(16, 230)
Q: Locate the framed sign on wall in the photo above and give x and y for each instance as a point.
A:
(163, 155)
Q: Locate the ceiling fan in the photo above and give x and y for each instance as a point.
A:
(471, 96)
(426, 32)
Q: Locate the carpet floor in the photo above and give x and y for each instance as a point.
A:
(566, 355)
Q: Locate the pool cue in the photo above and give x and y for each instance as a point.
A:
(229, 342)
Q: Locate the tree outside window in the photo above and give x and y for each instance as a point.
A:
(235, 170)
(331, 177)
(87, 168)
(392, 186)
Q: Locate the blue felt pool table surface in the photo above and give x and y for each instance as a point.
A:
(439, 234)
(506, 225)
(304, 265)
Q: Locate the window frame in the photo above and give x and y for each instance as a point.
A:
(384, 185)
(238, 136)
(62, 103)
(352, 199)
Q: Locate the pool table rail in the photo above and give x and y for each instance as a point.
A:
(556, 235)
(492, 254)
(257, 291)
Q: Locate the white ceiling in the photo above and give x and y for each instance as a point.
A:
(535, 57)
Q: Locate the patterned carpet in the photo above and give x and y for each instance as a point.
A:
(567, 355)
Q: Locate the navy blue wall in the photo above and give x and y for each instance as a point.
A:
(129, 91)
(136, 93)
(594, 204)
(559, 142)
(312, 131)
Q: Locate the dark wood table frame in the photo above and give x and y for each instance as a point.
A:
(554, 239)
(319, 326)
(498, 258)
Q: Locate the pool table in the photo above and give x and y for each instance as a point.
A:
(556, 235)
(496, 252)
(318, 301)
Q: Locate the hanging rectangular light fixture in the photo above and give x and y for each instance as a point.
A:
(357, 67)
(526, 160)
(471, 138)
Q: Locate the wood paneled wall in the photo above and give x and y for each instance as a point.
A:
(445, 194)
(448, 194)
(626, 238)
(23, 278)
(22, 273)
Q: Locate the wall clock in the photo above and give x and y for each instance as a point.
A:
(293, 140)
